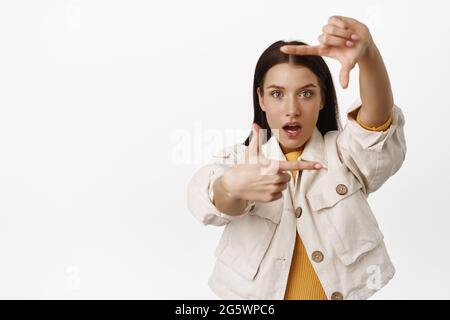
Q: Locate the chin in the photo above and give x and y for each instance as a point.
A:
(292, 145)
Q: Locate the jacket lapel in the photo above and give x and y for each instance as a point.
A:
(314, 150)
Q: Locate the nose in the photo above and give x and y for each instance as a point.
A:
(292, 107)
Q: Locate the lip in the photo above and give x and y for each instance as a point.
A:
(292, 123)
(292, 134)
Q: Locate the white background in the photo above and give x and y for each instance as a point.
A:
(95, 95)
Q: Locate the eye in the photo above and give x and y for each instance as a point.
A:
(306, 93)
(275, 93)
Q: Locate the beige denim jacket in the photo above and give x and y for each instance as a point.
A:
(328, 208)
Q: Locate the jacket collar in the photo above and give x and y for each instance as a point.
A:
(314, 149)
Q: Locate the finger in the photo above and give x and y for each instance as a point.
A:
(276, 196)
(355, 37)
(337, 31)
(347, 21)
(279, 187)
(270, 167)
(305, 50)
(298, 165)
(344, 76)
(330, 40)
(254, 143)
(282, 177)
(262, 136)
(337, 21)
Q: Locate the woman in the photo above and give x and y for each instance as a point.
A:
(313, 236)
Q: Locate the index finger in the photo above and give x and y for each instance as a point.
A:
(305, 50)
(298, 165)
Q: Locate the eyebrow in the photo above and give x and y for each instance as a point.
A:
(280, 87)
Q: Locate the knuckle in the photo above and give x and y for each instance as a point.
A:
(273, 189)
(273, 196)
(278, 178)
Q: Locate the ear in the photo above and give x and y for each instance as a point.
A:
(261, 100)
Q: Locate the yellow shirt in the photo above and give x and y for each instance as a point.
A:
(303, 283)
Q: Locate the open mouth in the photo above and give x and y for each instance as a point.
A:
(292, 130)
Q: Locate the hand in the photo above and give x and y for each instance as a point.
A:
(257, 178)
(344, 39)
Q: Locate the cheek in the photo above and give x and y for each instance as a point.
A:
(312, 112)
(274, 117)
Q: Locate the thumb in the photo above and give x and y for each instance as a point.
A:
(344, 76)
(254, 141)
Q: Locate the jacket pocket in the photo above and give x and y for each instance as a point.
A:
(353, 229)
(245, 240)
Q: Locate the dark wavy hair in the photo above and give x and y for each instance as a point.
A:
(328, 116)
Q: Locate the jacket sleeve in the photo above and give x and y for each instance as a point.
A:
(200, 192)
(373, 156)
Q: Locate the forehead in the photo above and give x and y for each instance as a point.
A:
(289, 76)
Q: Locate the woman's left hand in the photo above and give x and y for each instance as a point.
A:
(344, 39)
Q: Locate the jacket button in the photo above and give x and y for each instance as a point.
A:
(298, 212)
(341, 189)
(317, 256)
(337, 296)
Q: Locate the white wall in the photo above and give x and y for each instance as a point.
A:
(94, 95)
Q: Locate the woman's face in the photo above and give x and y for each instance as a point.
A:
(292, 100)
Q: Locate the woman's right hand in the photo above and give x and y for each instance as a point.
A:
(257, 178)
